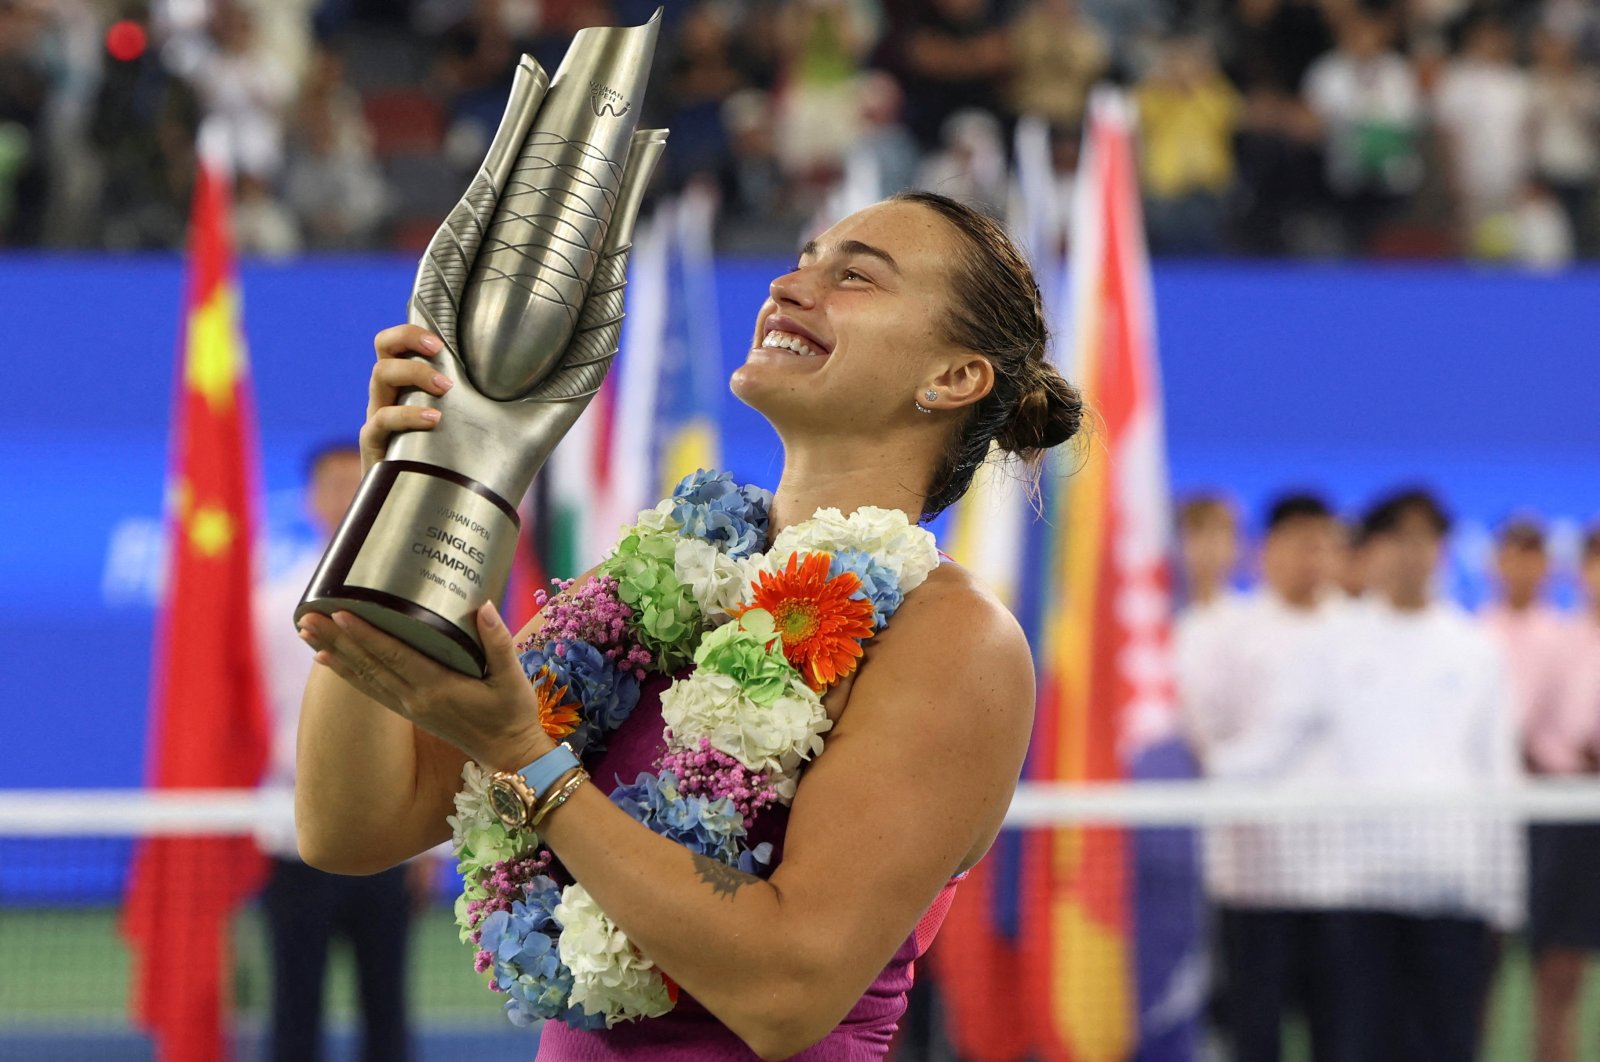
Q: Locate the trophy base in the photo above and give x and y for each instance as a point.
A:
(420, 551)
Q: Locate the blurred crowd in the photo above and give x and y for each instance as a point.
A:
(1425, 128)
(1343, 668)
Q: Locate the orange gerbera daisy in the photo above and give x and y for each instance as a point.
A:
(557, 715)
(822, 626)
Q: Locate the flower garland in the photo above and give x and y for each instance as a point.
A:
(767, 634)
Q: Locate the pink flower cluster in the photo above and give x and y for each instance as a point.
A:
(712, 773)
(504, 883)
(595, 614)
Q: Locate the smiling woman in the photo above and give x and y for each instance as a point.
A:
(824, 722)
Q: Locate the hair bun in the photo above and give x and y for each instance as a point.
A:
(1047, 415)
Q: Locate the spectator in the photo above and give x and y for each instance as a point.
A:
(755, 184)
(1563, 909)
(1208, 549)
(819, 109)
(1250, 679)
(1564, 109)
(1419, 695)
(1272, 43)
(972, 166)
(1058, 56)
(333, 185)
(1187, 115)
(1365, 96)
(1483, 112)
(1542, 231)
(144, 127)
(262, 224)
(244, 91)
(949, 55)
(701, 75)
(24, 101)
(305, 908)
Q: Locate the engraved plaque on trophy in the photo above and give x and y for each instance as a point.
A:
(524, 283)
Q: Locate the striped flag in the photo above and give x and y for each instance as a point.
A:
(208, 721)
(691, 382)
(1054, 922)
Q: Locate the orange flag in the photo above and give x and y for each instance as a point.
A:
(208, 721)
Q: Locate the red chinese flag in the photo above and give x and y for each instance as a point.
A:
(208, 722)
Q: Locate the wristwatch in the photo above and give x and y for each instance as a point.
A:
(514, 794)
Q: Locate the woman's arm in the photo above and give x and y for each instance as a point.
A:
(916, 779)
(371, 789)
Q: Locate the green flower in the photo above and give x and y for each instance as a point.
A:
(749, 651)
(485, 844)
(666, 618)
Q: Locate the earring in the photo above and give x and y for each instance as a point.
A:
(931, 395)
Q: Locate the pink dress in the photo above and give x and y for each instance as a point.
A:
(689, 1033)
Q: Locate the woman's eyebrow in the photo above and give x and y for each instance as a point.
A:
(856, 247)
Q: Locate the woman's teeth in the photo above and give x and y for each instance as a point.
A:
(789, 341)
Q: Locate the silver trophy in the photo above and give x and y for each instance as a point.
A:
(524, 283)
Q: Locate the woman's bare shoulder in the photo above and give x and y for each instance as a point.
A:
(955, 642)
(954, 599)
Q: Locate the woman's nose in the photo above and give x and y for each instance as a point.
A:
(793, 287)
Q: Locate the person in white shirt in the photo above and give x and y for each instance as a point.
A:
(1421, 698)
(306, 908)
(1365, 96)
(1483, 107)
(1250, 672)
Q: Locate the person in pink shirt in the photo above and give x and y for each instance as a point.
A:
(1563, 908)
(1534, 635)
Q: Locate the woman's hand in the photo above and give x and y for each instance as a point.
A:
(396, 370)
(493, 720)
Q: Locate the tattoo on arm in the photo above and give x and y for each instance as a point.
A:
(723, 879)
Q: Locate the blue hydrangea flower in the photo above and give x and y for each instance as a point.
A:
(526, 963)
(711, 827)
(711, 506)
(878, 583)
(606, 694)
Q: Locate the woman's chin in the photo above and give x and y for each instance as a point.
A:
(772, 376)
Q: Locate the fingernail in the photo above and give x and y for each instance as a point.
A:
(442, 382)
(432, 344)
(342, 619)
(430, 414)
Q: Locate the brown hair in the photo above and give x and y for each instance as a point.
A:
(996, 311)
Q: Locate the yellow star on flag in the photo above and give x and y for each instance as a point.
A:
(211, 530)
(216, 350)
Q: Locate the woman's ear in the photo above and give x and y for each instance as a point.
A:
(967, 379)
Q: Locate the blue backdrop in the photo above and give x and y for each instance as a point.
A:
(1347, 379)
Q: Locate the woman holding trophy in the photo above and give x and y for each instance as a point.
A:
(713, 800)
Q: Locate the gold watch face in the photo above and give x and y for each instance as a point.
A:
(507, 803)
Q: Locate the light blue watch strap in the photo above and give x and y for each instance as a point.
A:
(542, 773)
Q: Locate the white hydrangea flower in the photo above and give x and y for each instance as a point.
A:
(888, 534)
(718, 582)
(776, 738)
(609, 975)
(651, 521)
(472, 803)
(477, 836)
